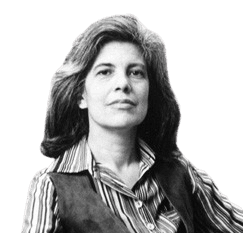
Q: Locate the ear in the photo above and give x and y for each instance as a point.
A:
(82, 103)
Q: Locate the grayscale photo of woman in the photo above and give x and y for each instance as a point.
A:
(111, 126)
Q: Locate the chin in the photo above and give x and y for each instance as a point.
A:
(123, 124)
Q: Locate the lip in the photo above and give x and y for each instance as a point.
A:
(123, 101)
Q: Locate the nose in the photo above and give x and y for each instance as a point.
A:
(122, 83)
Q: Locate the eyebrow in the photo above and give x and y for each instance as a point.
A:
(103, 64)
(131, 65)
(137, 64)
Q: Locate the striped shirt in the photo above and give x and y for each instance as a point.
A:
(144, 208)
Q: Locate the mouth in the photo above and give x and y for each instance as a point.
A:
(123, 101)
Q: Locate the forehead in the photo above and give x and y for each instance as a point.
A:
(119, 52)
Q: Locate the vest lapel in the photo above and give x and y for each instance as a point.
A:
(174, 181)
(80, 208)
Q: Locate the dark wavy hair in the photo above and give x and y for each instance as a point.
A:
(66, 123)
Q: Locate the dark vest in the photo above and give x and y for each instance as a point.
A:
(81, 209)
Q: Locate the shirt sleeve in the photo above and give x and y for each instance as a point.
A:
(213, 211)
(41, 213)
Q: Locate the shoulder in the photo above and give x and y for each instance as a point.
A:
(41, 206)
(42, 177)
(180, 170)
(174, 171)
(179, 165)
(199, 179)
(41, 183)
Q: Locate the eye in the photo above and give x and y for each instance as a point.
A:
(137, 73)
(105, 72)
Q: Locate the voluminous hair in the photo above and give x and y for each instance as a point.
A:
(66, 123)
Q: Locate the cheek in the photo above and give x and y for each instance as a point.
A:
(146, 97)
(145, 94)
(94, 96)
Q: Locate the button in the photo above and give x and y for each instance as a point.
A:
(150, 226)
(139, 203)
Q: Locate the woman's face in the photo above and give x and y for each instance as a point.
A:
(116, 88)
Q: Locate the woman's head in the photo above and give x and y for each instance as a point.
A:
(66, 123)
(116, 89)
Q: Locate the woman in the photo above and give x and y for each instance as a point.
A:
(111, 127)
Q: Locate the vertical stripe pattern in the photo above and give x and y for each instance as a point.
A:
(142, 209)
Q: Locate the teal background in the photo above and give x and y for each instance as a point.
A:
(204, 43)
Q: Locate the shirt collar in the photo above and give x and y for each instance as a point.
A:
(79, 158)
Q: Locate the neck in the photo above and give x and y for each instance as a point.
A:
(114, 149)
